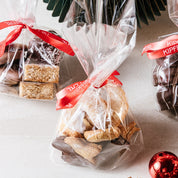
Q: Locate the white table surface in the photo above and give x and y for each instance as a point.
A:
(27, 127)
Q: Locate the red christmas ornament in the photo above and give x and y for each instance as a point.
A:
(164, 165)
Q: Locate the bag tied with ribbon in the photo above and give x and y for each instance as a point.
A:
(29, 57)
(96, 128)
(164, 53)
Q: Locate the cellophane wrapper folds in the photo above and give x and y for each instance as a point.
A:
(30, 67)
(99, 131)
(173, 11)
(165, 80)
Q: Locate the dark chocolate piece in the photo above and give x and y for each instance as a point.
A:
(42, 52)
(59, 144)
(167, 99)
(68, 154)
(164, 75)
(10, 77)
(74, 159)
(71, 158)
(171, 60)
(175, 79)
(119, 141)
(10, 51)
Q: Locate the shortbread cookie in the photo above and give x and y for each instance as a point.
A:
(64, 128)
(101, 135)
(123, 131)
(41, 73)
(87, 150)
(96, 108)
(33, 90)
(118, 101)
(72, 133)
(86, 124)
(115, 120)
(132, 131)
(74, 122)
(128, 132)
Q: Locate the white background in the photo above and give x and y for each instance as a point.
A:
(27, 127)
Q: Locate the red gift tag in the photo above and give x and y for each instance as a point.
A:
(162, 48)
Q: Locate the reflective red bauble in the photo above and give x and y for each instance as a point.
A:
(164, 165)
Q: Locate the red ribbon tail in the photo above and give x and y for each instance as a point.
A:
(12, 36)
(54, 40)
(67, 102)
(113, 79)
(115, 73)
(162, 48)
(48, 37)
(2, 47)
(69, 96)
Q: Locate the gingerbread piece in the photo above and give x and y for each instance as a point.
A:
(118, 101)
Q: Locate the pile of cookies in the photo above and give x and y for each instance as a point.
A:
(165, 77)
(98, 123)
(33, 70)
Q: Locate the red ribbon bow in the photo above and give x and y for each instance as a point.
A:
(69, 96)
(48, 37)
(162, 48)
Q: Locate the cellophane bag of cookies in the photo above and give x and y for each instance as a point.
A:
(96, 128)
(164, 54)
(29, 56)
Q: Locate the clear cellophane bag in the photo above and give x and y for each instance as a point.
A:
(99, 131)
(30, 67)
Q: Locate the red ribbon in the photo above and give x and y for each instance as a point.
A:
(69, 96)
(48, 37)
(162, 48)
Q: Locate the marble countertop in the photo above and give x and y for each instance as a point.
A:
(27, 127)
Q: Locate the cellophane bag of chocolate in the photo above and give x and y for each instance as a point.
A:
(29, 57)
(96, 128)
(164, 54)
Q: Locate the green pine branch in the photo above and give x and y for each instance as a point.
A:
(145, 10)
